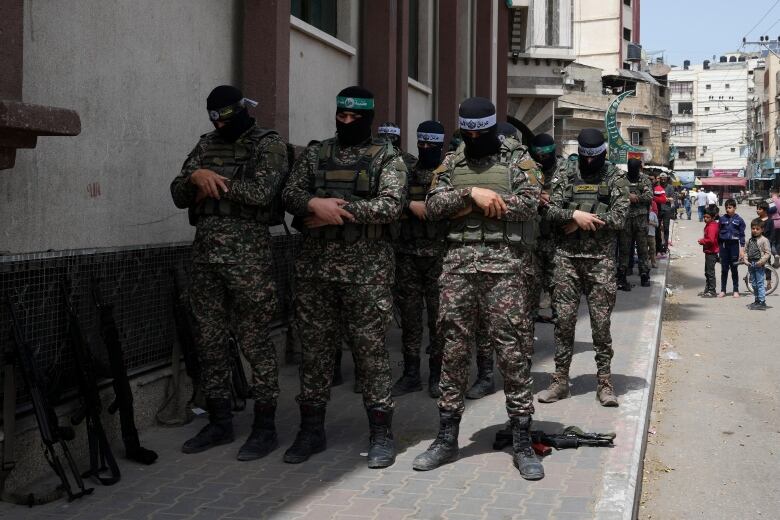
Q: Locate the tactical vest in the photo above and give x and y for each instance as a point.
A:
(633, 187)
(237, 161)
(355, 181)
(579, 195)
(476, 227)
(413, 228)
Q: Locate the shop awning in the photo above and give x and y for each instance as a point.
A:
(633, 75)
(724, 181)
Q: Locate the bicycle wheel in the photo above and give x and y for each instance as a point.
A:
(775, 279)
(743, 269)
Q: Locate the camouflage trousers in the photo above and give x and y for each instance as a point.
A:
(595, 278)
(501, 299)
(545, 261)
(417, 280)
(328, 312)
(635, 231)
(241, 298)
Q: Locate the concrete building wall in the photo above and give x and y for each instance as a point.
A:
(139, 83)
(420, 109)
(598, 33)
(317, 58)
(721, 117)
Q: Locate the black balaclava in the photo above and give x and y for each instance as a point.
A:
(543, 151)
(360, 101)
(634, 167)
(390, 131)
(227, 104)
(504, 130)
(431, 132)
(591, 146)
(479, 114)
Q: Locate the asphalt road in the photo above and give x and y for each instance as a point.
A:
(714, 445)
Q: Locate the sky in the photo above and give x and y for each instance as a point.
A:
(698, 29)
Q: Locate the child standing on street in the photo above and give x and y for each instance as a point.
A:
(762, 210)
(652, 229)
(758, 252)
(709, 243)
(731, 242)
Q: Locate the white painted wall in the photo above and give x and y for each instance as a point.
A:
(420, 109)
(598, 34)
(139, 82)
(320, 66)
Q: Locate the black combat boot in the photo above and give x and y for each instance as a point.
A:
(444, 448)
(622, 283)
(381, 448)
(311, 436)
(524, 457)
(263, 439)
(645, 280)
(217, 432)
(410, 379)
(434, 377)
(337, 378)
(484, 384)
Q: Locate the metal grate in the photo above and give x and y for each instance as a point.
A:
(137, 281)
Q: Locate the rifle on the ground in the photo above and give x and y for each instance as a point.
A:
(123, 400)
(101, 458)
(570, 437)
(53, 435)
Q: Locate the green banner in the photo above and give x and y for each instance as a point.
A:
(619, 150)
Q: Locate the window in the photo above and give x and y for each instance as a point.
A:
(627, 2)
(711, 131)
(636, 138)
(728, 86)
(706, 109)
(684, 129)
(726, 108)
(518, 29)
(686, 153)
(414, 39)
(319, 13)
(685, 108)
(733, 150)
(682, 87)
(626, 33)
(708, 87)
(551, 23)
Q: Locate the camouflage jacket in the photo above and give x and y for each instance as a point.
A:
(644, 190)
(588, 244)
(420, 246)
(444, 202)
(233, 240)
(363, 261)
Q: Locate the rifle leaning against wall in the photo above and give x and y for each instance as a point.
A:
(53, 435)
(123, 394)
(101, 458)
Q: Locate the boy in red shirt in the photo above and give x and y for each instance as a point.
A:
(710, 244)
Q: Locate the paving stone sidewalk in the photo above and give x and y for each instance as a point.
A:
(583, 484)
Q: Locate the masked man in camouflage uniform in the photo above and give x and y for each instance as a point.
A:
(491, 200)
(418, 258)
(346, 192)
(635, 231)
(588, 207)
(543, 151)
(230, 183)
(392, 132)
(484, 384)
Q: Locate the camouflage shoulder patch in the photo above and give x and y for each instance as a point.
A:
(528, 164)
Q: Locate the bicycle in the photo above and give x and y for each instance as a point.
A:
(743, 268)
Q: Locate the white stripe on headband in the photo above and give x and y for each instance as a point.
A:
(389, 130)
(427, 137)
(592, 152)
(477, 124)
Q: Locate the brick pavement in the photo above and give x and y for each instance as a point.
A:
(483, 484)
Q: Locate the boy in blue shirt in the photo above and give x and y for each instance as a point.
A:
(731, 241)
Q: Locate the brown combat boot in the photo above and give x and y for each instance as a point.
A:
(558, 389)
(606, 392)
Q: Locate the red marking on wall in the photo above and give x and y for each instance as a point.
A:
(93, 189)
